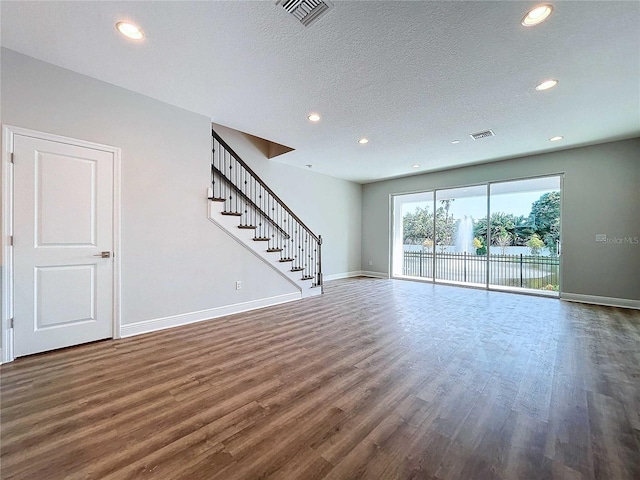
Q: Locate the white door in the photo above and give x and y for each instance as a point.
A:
(63, 222)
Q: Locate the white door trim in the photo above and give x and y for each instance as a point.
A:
(8, 134)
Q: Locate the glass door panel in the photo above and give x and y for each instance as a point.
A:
(413, 235)
(525, 235)
(460, 250)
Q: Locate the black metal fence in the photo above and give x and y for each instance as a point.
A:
(524, 271)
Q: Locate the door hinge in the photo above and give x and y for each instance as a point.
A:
(11, 240)
(11, 157)
(11, 323)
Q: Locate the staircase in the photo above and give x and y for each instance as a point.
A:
(243, 205)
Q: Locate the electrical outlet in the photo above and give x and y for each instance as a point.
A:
(370, 262)
(238, 285)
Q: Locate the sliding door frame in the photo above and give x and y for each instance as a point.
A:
(394, 219)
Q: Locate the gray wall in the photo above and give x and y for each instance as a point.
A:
(174, 260)
(328, 206)
(601, 195)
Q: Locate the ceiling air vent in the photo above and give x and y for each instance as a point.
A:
(306, 11)
(485, 134)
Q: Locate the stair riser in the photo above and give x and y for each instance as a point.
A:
(231, 223)
(246, 235)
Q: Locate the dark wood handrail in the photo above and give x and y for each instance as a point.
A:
(242, 195)
(263, 184)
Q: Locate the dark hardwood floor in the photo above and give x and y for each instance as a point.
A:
(376, 379)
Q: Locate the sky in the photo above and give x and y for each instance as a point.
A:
(476, 207)
(513, 196)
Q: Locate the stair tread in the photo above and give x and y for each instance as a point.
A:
(277, 225)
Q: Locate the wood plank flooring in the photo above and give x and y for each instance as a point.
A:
(376, 379)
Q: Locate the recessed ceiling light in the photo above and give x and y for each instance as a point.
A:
(314, 117)
(536, 15)
(363, 140)
(415, 165)
(129, 30)
(556, 138)
(455, 141)
(547, 84)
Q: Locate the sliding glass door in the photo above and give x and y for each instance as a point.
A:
(525, 235)
(500, 235)
(413, 235)
(459, 255)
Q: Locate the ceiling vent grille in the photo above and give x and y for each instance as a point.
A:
(485, 134)
(306, 11)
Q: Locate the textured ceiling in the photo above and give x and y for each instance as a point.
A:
(410, 76)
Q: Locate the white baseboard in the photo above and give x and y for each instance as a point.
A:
(155, 324)
(355, 273)
(338, 276)
(608, 301)
(366, 273)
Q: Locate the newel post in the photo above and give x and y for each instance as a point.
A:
(320, 282)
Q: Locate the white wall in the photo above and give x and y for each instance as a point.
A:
(174, 260)
(328, 206)
(601, 194)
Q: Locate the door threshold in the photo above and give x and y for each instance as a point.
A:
(479, 286)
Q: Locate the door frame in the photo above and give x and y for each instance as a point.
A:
(8, 134)
(487, 183)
